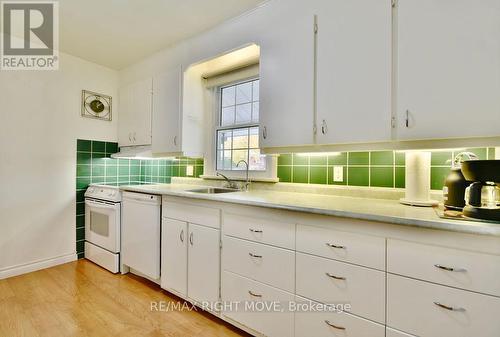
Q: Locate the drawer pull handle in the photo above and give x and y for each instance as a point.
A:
(257, 256)
(331, 245)
(448, 307)
(335, 277)
(255, 230)
(450, 268)
(254, 294)
(334, 326)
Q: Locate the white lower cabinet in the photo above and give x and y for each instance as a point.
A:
(432, 310)
(203, 263)
(332, 282)
(258, 306)
(330, 323)
(174, 256)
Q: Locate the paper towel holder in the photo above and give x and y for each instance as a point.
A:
(417, 175)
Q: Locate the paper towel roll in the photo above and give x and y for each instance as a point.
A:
(418, 179)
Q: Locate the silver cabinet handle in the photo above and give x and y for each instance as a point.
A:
(255, 230)
(134, 137)
(191, 238)
(335, 277)
(447, 307)
(256, 256)
(407, 119)
(264, 132)
(129, 137)
(175, 140)
(450, 268)
(181, 236)
(331, 245)
(334, 326)
(324, 127)
(254, 294)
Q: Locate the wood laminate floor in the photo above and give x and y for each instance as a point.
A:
(82, 299)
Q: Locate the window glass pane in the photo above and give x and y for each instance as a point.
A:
(224, 160)
(240, 138)
(255, 112)
(254, 138)
(228, 96)
(224, 140)
(244, 113)
(255, 90)
(244, 93)
(227, 116)
(257, 161)
(237, 156)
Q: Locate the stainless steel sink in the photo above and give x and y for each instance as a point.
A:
(213, 190)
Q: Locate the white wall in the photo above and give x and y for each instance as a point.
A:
(39, 124)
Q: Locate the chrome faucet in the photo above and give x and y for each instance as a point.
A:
(230, 183)
(247, 182)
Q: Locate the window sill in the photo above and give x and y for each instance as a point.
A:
(254, 179)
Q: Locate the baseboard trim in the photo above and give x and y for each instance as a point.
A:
(37, 265)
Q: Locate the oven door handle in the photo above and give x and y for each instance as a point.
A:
(99, 205)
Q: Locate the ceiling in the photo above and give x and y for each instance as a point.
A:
(117, 33)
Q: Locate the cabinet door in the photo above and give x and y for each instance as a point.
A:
(166, 111)
(353, 71)
(203, 263)
(287, 77)
(448, 68)
(174, 238)
(135, 113)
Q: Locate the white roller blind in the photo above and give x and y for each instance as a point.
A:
(231, 75)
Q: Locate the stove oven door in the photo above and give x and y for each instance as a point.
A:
(102, 224)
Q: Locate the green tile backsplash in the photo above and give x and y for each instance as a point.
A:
(95, 165)
(369, 168)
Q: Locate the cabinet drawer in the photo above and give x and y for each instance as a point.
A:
(324, 323)
(332, 282)
(274, 233)
(349, 247)
(471, 271)
(412, 307)
(198, 215)
(270, 265)
(248, 293)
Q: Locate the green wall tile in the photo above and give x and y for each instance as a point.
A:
(358, 158)
(400, 158)
(338, 159)
(318, 174)
(300, 159)
(123, 170)
(98, 180)
(80, 221)
(441, 158)
(83, 170)
(300, 174)
(481, 153)
(83, 158)
(82, 182)
(318, 160)
(135, 170)
(83, 145)
(400, 177)
(285, 174)
(330, 176)
(80, 195)
(285, 159)
(358, 176)
(111, 147)
(80, 234)
(382, 177)
(98, 146)
(111, 170)
(382, 158)
(438, 176)
(98, 170)
(175, 171)
(125, 162)
(80, 246)
(491, 153)
(80, 208)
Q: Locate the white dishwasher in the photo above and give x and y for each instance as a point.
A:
(140, 237)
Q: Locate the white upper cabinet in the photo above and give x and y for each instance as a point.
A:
(353, 71)
(134, 122)
(448, 68)
(167, 94)
(287, 76)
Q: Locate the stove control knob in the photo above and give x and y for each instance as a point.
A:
(91, 190)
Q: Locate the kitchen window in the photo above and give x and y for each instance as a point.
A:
(237, 130)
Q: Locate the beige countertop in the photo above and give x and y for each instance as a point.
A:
(383, 210)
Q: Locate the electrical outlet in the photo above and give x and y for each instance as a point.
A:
(338, 174)
(190, 170)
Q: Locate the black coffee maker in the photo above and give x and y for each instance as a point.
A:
(483, 195)
(455, 183)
